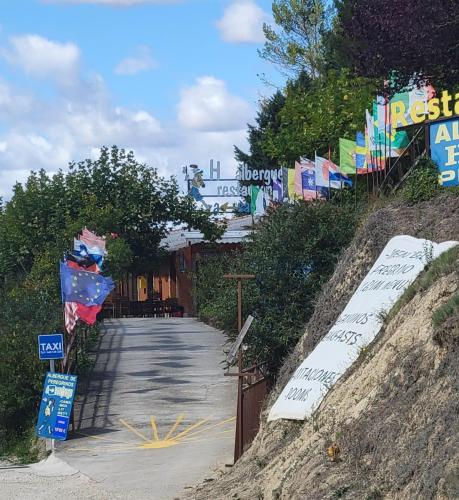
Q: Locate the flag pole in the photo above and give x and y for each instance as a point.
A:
(328, 167)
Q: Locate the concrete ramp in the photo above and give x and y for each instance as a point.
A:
(158, 414)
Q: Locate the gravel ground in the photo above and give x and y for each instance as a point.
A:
(51, 478)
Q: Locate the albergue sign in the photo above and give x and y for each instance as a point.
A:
(264, 176)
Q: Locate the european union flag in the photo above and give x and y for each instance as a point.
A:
(86, 288)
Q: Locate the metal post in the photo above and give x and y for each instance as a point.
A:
(239, 366)
(427, 137)
(52, 369)
(239, 444)
(239, 304)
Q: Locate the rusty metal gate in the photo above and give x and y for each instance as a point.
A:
(252, 391)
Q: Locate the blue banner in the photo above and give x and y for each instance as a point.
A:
(56, 406)
(444, 147)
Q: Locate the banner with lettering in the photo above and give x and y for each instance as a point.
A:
(401, 261)
(444, 146)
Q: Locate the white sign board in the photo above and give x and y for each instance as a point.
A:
(401, 261)
(234, 348)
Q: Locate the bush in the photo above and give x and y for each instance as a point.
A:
(292, 254)
(422, 183)
(25, 314)
(443, 265)
(440, 315)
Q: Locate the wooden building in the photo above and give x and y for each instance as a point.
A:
(170, 288)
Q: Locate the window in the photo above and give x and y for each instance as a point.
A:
(182, 263)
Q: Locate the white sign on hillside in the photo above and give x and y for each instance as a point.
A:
(401, 261)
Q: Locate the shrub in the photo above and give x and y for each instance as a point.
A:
(422, 183)
(440, 315)
(443, 265)
(292, 254)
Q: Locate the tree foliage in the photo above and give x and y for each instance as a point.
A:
(267, 121)
(115, 196)
(292, 254)
(315, 117)
(296, 43)
(422, 183)
(407, 39)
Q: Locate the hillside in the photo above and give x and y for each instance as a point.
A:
(395, 414)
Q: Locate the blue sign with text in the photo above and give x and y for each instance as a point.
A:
(51, 346)
(56, 406)
(444, 146)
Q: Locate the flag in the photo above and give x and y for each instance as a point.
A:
(360, 153)
(91, 240)
(322, 177)
(259, 200)
(347, 156)
(374, 160)
(308, 179)
(253, 198)
(298, 186)
(292, 195)
(81, 250)
(389, 142)
(278, 191)
(329, 176)
(88, 314)
(94, 251)
(84, 287)
(82, 263)
(70, 316)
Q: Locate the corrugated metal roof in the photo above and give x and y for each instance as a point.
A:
(237, 231)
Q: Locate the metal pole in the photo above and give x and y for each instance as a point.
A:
(427, 137)
(239, 366)
(239, 442)
(52, 369)
(239, 304)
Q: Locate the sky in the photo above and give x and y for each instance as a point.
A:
(176, 81)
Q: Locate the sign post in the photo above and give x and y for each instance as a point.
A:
(50, 347)
(56, 406)
(238, 449)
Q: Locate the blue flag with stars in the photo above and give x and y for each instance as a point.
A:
(90, 289)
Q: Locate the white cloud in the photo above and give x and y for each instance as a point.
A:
(43, 58)
(208, 106)
(72, 125)
(242, 22)
(116, 3)
(141, 61)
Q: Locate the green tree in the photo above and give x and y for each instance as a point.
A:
(314, 117)
(295, 44)
(267, 120)
(113, 194)
(292, 254)
(411, 40)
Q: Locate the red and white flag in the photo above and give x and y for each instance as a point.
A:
(70, 316)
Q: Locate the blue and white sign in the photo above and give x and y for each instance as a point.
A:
(56, 406)
(444, 146)
(51, 346)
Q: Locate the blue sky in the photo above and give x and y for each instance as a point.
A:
(175, 80)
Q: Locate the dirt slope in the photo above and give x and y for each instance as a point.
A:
(394, 416)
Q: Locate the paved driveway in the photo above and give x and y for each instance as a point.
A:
(158, 414)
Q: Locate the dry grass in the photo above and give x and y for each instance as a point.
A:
(395, 415)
